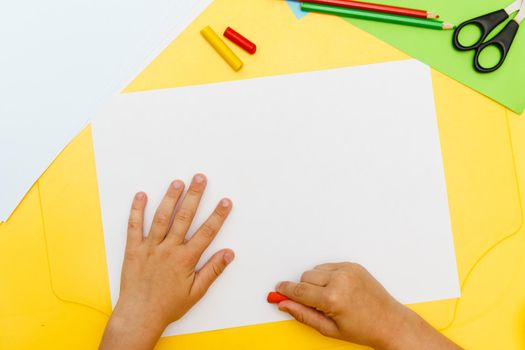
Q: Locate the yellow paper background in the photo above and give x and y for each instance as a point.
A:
(54, 290)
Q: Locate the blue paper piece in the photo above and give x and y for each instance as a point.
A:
(296, 9)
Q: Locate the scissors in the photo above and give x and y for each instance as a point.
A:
(502, 40)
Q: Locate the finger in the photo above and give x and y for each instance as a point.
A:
(210, 271)
(330, 266)
(185, 214)
(310, 317)
(164, 214)
(136, 220)
(317, 277)
(304, 293)
(207, 232)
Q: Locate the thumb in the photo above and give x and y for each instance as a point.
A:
(310, 317)
(211, 271)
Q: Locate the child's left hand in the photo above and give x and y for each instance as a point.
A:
(159, 282)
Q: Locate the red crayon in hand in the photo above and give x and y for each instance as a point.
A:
(276, 298)
(240, 40)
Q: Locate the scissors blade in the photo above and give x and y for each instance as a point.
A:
(521, 12)
(517, 5)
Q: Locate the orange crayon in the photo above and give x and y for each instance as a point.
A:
(276, 298)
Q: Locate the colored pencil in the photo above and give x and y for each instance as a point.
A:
(376, 16)
(368, 6)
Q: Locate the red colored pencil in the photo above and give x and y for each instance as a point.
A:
(368, 6)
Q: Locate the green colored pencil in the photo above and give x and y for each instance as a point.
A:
(376, 16)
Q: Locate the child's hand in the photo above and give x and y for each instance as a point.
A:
(159, 282)
(344, 301)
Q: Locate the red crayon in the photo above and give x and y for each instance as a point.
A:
(240, 40)
(276, 298)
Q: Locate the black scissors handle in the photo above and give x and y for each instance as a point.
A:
(485, 23)
(502, 41)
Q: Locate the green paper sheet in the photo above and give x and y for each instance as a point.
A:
(434, 47)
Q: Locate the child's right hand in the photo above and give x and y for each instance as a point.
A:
(344, 301)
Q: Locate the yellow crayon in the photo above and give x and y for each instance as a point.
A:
(221, 48)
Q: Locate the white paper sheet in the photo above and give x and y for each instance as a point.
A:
(327, 166)
(60, 61)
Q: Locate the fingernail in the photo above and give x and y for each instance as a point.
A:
(282, 308)
(140, 195)
(199, 178)
(177, 184)
(225, 202)
(278, 285)
(228, 257)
